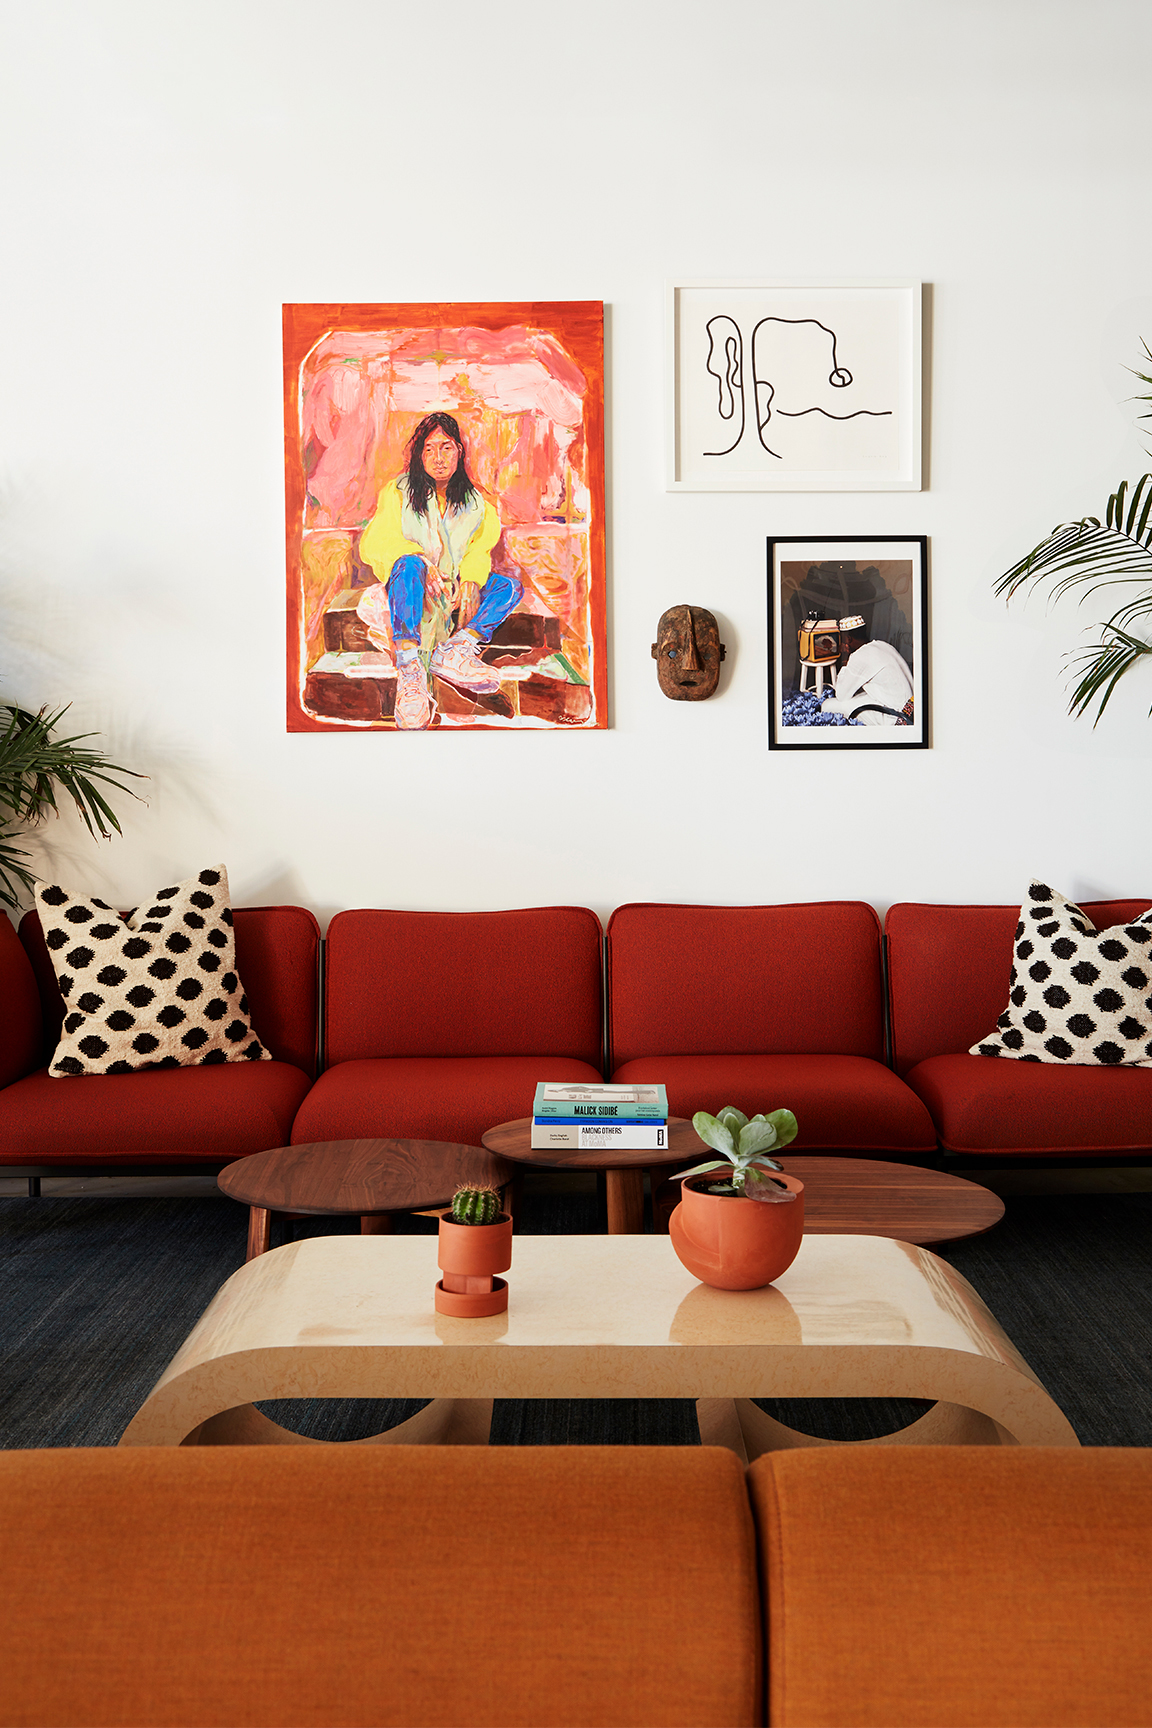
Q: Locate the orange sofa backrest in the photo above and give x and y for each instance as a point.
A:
(319, 1585)
(948, 970)
(522, 983)
(744, 980)
(277, 959)
(943, 1587)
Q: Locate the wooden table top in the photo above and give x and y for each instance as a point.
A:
(842, 1196)
(361, 1176)
(866, 1197)
(514, 1140)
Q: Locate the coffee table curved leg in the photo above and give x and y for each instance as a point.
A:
(745, 1429)
(442, 1422)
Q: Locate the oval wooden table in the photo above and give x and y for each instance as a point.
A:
(842, 1196)
(371, 1177)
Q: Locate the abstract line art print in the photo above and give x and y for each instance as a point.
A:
(444, 488)
(794, 388)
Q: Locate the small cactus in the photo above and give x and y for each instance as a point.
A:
(475, 1206)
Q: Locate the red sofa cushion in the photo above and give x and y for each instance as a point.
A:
(724, 980)
(464, 984)
(842, 1103)
(427, 1097)
(985, 1105)
(277, 958)
(948, 970)
(156, 1115)
(21, 1025)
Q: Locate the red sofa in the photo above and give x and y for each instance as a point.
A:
(763, 1007)
(439, 1025)
(175, 1118)
(948, 969)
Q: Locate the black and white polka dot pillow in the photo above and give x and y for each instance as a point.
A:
(1079, 995)
(155, 989)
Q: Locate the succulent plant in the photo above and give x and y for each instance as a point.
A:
(745, 1145)
(475, 1206)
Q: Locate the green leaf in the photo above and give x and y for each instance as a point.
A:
(757, 1137)
(714, 1134)
(786, 1127)
(699, 1169)
(765, 1162)
(1104, 665)
(733, 1120)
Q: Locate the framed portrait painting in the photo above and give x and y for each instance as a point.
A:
(444, 495)
(848, 643)
(794, 387)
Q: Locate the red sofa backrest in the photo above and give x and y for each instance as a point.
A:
(744, 980)
(21, 1023)
(277, 958)
(524, 983)
(948, 971)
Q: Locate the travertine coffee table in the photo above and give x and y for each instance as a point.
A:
(599, 1317)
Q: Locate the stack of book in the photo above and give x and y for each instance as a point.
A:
(578, 1118)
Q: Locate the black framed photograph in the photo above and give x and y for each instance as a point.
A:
(848, 642)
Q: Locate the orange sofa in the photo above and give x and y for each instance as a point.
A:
(331, 1587)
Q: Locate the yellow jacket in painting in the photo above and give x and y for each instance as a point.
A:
(458, 543)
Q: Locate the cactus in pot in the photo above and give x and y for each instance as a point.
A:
(475, 1245)
(475, 1206)
(745, 1147)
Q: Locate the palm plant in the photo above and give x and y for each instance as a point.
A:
(36, 768)
(1091, 554)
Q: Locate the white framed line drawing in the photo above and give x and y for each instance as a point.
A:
(794, 387)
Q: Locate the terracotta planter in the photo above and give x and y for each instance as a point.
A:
(736, 1244)
(470, 1255)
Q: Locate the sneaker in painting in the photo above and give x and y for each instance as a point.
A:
(458, 663)
(413, 710)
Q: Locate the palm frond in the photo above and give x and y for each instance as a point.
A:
(35, 766)
(1090, 554)
(1104, 664)
(1145, 378)
(13, 872)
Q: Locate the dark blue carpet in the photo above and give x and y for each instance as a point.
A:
(97, 1294)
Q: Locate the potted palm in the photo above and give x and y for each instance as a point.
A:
(475, 1244)
(36, 767)
(1089, 555)
(741, 1230)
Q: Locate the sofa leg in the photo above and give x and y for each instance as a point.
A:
(33, 1187)
(259, 1231)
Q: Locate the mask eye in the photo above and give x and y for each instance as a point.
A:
(671, 653)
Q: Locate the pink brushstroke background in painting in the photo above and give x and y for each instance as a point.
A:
(519, 399)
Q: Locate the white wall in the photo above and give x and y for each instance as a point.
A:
(174, 171)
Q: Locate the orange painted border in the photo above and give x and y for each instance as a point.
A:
(580, 326)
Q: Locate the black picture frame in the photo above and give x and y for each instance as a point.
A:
(816, 701)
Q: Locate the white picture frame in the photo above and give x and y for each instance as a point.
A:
(794, 387)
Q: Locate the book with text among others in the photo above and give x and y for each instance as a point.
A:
(599, 1136)
(579, 1102)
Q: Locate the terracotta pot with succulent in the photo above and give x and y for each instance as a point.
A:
(475, 1244)
(741, 1232)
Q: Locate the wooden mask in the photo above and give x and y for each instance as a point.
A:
(688, 652)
